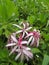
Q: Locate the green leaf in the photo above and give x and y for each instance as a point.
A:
(14, 63)
(47, 23)
(46, 36)
(8, 10)
(35, 50)
(31, 19)
(45, 60)
(25, 63)
(3, 53)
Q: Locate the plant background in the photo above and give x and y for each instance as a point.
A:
(36, 12)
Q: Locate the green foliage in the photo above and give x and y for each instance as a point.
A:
(35, 50)
(7, 10)
(31, 18)
(46, 60)
(36, 12)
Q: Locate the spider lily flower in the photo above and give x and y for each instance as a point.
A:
(34, 37)
(16, 44)
(24, 29)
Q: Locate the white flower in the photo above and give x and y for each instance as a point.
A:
(23, 29)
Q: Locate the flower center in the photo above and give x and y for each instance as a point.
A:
(36, 34)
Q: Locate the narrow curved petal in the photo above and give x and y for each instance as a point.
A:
(13, 50)
(32, 42)
(19, 31)
(14, 39)
(25, 53)
(29, 54)
(38, 42)
(26, 32)
(26, 48)
(27, 24)
(17, 26)
(17, 56)
(24, 42)
(11, 44)
(22, 57)
(30, 39)
(23, 34)
(30, 34)
(28, 28)
(24, 25)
